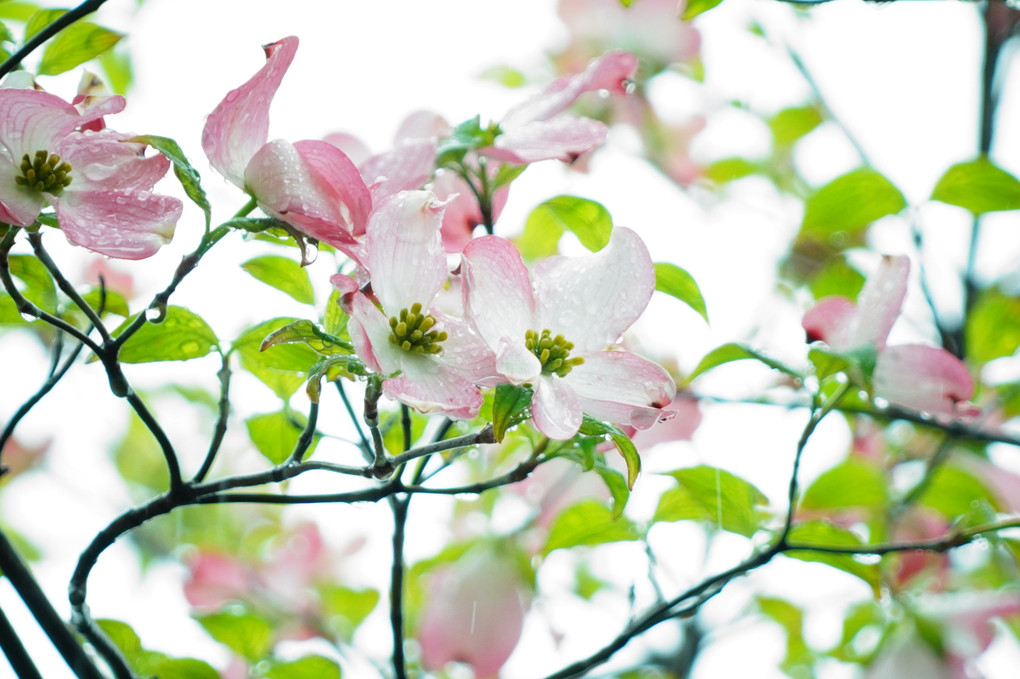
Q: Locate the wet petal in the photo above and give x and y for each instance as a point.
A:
(32, 120)
(555, 408)
(405, 167)
(498, 300)
(370, 334)
(879, 303)
(923, 378)
(103, 160)
(621, 387)
(239, 125)
(429, 387)
(828, 321)
(340, 181)
(18, 205)
(121, 224)
(463, 350)
(594, 298)
(563, 138)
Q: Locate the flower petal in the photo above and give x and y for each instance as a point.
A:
(828, 319)
(103, 160)
(337, 177)
(621, 387)
(121, 224)
(239, 125)
(18, 205)
(32, 120)
(463, 350)
(429, 387)
(405, 253)
(879, 302)
(498, 300)
(562, 138)
(555, 408)
(923, 378)
(594, 298)
(370, 333)
(405, 167)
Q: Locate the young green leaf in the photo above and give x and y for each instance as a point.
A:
(588, 220)
(822, 534)
(308, 667)
(992, 329)
(39, 288)
(276, 434)
(790, 124)
(283, 367)
(509, 408)
(306, 332)
(39, 20)
(74, 45)
(715, 497)
(247, 634)
(187, 175)
(979, 186)
(593, 427)
(588, 522)
(727, 353)
(850, 484)
(181, 336)
(284, 274)
(850, 203)
(696, 7)
(676, 282)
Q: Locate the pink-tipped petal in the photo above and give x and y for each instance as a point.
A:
(622, 387)
(120, 224)
(923, 378)
(498, 300)
(422, 125)
(32, 120)
(103, 160)
(404, 168)
(610, 72)
(340, 181)
(880, 301)
(828, 320)
(593, 299)
(555, 408)
(370, 333)
(239, 125)
(463, 350)
(355, 149)
(562, 138)
(405, 253)
(430, 387)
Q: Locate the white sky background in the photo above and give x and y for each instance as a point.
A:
(903, 77)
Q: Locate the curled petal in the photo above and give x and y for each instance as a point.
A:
(923, 378)
(562, 138)
(405, 253)
(498, 300)
(32, 120)
(621, 387)
(239, 125)
(337, 177)
(429, 387)
(879, 303)
(828, 319)
(103, 160)
(593, 299)
(120, 224)
(555, 408)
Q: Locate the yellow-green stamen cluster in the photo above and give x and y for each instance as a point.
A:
(45, 172)
(412, 331)
(552, 352)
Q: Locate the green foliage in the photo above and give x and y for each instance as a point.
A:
(118, 71)
(695, 7)
(799, 659)
(345, 608)
(593, 427)
(139, 458)
(282, 367)
(467, 136)
(823, 534)
(276, 434)
(505, 76)
(715, 497)
(863, 621)
(853, 483)
(309, 334)
(110, 301)
(790, 124)
(151, 663)
(74, 45)
(727, 353)
(283, 274)
(676, 282)
(18, 11)
(850, 203)
(958, 495)
(334, 319)
(187, 175)
(182, 335)
(308, 667)
(40, 19)
(837, 277)
(993, 326)
(588, 523)
(39, 288)
(979, 186)
(730, 169)
(509, 408)
(586, 219)
(245, 633)
(586, 455)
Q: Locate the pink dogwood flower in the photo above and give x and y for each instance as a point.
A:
(437, 356)
(98, 183)
(916, 376)
(539, 129)
(558, 330)
(311, 184)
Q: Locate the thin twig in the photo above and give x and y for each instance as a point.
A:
(62, 22)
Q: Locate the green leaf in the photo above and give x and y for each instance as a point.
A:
(955, 493)
(5, 34)
(465, 137)
(509, 408)
(696, 7)
(150, 663)
(276, 434)
(837, 277)
(586, 523)
(978, 186)
(588, 458)
(850, 484)
(727, 353)
(993, 326)
(181, 336)
(308, 667)
(334, 319)
(676, 282)
(790, 124)
(730, 169)
(345, 608)
(283, 367)
(713, 496)
(822, 534)
(19, 11)
(187, 175)
(74, 45)
(588, 220)
(505, 76)
(309, 334)
(592, 427)
(858, 364)
(40, 20)
(118, 71)
(799, 658)
(138, 457)
(850, 203)
(332, 368)
(283, 274)
(39, 289)
(247, 634)
(112, 302)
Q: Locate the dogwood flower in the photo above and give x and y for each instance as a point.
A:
(311, 184)
(98, 183)
(437, 356)
(538, 129)
(917, 376)
(558, 329)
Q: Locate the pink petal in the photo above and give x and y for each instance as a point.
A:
(498, 300)
(429, 387)
(463, 213)
(924, 378)
(103, 160)
(32, 120)
(239, 125)
(422, 125)
(563, 138)
(18, 205)
(609, 72)
(464, 351)
(621, 387)
(879, 303)
(555, 408)
(120, 224)
(827, 321)
(405, 253)
(338, 178)
(215, 580)
(406, 167)
(680, 427)
(515, 362)
(370, 334)
(594, 298)
(354, 148)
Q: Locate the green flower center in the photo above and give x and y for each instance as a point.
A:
(412, 331)
(552, 352)
(45, 172)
